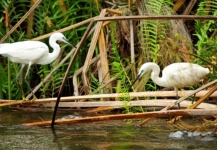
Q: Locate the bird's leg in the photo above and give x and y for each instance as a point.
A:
(18, 83)
(21, 89)
(21, 70)
(193, 98)
(33, 95)
(177, 96)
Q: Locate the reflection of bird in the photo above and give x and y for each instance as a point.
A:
(176, 75)
(32, 52)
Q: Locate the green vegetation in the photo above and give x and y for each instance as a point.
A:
(47, 17)
(160, 41)
(206, 33)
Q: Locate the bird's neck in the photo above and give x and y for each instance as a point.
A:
(56, 50)
(155, 74)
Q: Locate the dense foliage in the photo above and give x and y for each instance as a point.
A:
(163, 42)
(47, 17)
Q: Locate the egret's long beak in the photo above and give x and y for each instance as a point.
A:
(137, 77)
(65, 40)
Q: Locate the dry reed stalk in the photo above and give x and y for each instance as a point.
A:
(77, 72)
(104, 65)
(189, 7)
(90, 52)
(178, 4)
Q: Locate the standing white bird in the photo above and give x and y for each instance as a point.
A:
(32, 52)
(176, 75)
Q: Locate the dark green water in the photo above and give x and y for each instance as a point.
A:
(110, 135)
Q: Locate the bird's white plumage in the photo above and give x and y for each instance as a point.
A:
(25, 51)
(176, 75)
(32, 52)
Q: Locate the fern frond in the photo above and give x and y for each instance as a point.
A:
(205, 32)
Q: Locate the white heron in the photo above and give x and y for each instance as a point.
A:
(32, 52)
(176, 75)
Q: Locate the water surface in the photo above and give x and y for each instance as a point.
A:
(109, 135)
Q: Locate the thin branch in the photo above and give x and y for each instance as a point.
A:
(69, 68)
(159, 17)
(65, 29)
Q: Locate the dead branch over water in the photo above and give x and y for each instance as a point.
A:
(127, 116)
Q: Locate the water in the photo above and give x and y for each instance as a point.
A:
(110, 135)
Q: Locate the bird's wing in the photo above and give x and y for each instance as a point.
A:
(25, 50)
(181, 74)
(177, 67)
(2, 45)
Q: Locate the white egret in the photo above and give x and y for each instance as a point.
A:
(176, 75)
(32, 52)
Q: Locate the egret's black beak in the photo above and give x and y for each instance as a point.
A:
(69, 42)
(137, 77)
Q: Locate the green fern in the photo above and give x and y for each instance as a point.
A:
(153, 32)
(162, 41)
(206, 44)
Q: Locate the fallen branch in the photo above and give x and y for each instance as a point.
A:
(118, 104)
(113, 95)
(127, 116)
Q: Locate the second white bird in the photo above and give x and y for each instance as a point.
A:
(176, 75)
